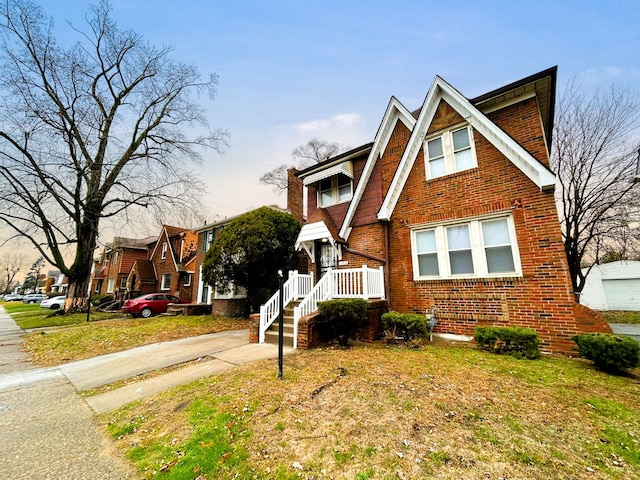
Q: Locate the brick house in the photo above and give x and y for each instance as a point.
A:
(111, 270)
(454, 202)
(231, 302)
(168, 266)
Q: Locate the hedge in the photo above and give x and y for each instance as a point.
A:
(515, 341)
(609, 352)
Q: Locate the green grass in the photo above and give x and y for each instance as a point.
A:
(29, 316)
(472, 412)
(83, 340)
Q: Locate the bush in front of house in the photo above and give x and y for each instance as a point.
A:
(515, 341)
(406, 325)
(609, 352)
(343, 316)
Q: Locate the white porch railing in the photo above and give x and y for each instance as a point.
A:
(297, 286)
(342, 283)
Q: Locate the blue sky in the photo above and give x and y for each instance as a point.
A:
(293, 70)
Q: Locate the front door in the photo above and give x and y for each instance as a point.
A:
(326, 259)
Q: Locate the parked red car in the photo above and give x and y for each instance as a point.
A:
(150, 304)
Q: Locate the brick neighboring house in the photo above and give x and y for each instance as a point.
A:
(111, 270)
(231, 302)
(169, 266)
(455, 201)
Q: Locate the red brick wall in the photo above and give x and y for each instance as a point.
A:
(541, 298)
(295, 193)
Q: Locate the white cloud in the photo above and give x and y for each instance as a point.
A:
(607, 74)
(340, 121)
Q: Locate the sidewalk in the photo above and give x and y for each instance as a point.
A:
(49, 432)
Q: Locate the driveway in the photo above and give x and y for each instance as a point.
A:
(630, 330)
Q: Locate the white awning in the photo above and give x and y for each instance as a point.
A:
(312, 232)
(345, 168)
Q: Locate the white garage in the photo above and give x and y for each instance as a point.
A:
(613, 286)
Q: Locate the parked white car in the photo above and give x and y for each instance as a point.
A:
(54, 302)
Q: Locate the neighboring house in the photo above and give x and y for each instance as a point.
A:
(230, 302)
(613, 286)
(56, 283)
(454, 203)
(169, 266)
(111, 271)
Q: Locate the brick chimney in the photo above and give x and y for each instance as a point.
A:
(294, 195)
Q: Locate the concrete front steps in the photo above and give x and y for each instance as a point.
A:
(188, 309)
(271, 335)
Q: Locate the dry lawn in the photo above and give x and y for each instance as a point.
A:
(442, 411)
(86, 340)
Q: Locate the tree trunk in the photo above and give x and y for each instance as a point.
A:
(80, 272)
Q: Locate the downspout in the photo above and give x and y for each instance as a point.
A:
(387, 280)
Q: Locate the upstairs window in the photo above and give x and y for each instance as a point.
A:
(164, 251)
(475, 249)
(208, 239)
(450, 152)
(333, 190)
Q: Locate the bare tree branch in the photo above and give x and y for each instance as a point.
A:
(314, 151)
(595, 157)
(90, 131)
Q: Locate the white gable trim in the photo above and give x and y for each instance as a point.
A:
(395, 112)
(441, 90)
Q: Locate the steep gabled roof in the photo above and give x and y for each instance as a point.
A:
(168, 232)
(395, 112)
(441, 90)
(145, 270)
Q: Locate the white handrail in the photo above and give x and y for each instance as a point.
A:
(297, 286)
(342, 283)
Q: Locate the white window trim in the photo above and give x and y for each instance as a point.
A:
(335, 192)
(477, 249)
(111, 284)
(163, 256)
(187, 282)
(447, 150)
(163, 285)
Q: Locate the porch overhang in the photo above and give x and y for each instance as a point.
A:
(313, 232)
(345, 168)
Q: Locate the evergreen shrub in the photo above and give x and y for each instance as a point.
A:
(515, 341)
(609, 352)
(343, 316)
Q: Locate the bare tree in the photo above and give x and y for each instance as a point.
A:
(89, 131)
(594, 156)
(305, 155)
(10, 264)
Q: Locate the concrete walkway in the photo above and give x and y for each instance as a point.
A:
(49, 432)
(630, 330)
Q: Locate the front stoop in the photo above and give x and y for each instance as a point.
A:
(271, 335)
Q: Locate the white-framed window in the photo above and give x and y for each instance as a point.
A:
(187, 280)
(207, 240)
(450, 152)
(111, 285)
(478, 248)
(123, 282)
(333, 190)
(166, 281)
(164, 250)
